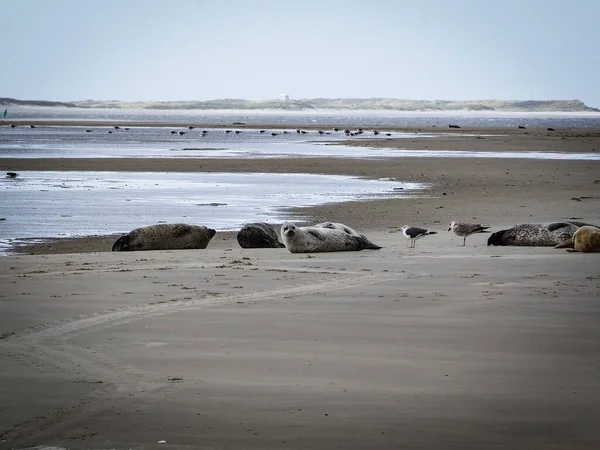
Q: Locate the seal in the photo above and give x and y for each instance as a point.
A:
(341, 227)
(258, 235)
(535, 235)
(316, 239)
(338, 226)
(586, 240)
(165, 236)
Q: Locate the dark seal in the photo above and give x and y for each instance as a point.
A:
(165, 236)
(258, 235)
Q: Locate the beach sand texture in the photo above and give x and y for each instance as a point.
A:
(440, 346)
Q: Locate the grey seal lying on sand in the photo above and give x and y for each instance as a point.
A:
(342, 227)
(338, 226)
(258, 235)
(535, 235)
(173, 236)
(316, 239)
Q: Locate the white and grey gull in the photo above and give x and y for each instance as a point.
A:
(414, 233)
(465, 229)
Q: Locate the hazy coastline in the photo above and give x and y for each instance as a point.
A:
(324, 104)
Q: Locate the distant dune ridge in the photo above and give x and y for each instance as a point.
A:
(390, 104)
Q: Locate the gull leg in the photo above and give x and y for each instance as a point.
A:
(464, 241)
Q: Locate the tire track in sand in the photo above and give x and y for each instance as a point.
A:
(47, 348)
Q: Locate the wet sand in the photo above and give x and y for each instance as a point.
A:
(440, 346)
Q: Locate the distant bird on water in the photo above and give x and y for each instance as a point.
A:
(465, 229)
(414, 233)
(12, 174)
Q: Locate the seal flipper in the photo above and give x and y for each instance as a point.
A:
(370, 245)
(121, 244)
(567, 243)
(181, 229)
(366, 244)
(316, 234)
(557, 226)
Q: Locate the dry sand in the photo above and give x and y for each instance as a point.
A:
(441, 346)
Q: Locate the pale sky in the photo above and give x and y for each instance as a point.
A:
(199, 50)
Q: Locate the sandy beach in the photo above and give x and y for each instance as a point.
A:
(440, 346)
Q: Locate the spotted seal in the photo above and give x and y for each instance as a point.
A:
(258, 235)
(165, 236)
(316, 239)
(535, 235)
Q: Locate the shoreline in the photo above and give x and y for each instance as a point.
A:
(498, 191)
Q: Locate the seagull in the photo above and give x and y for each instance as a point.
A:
(465, 229)
(414, 233)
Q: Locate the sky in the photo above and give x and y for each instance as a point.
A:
(159, 50)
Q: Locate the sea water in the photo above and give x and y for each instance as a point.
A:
(158, 142)
(66, 204)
